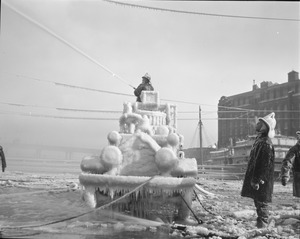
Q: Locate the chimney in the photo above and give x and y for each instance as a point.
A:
(293, 76)
(254, 86)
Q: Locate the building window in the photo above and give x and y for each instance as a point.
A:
(281, 92)
(286, 114)
(297, 89)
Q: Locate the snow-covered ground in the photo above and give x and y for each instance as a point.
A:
(228, 213)
(35, 199)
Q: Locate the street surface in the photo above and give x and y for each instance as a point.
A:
(39, 199)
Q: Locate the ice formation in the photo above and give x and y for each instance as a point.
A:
(146, 145)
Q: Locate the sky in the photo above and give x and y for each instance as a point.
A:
(100, 47)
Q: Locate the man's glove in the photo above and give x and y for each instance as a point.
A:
(284, 180)
(255, 186)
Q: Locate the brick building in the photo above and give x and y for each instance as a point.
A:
(237, 114)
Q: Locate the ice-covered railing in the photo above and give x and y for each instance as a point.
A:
(149, 110)
(284, 140)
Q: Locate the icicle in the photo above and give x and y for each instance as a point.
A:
(89, 197)
(140, 209)
(111, 193)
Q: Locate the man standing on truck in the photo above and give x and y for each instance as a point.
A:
(145, 85)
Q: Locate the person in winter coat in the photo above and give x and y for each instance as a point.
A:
(259, 178)
(145, 85)
(292, 161)
(2, 157)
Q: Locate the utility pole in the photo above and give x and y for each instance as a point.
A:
(0, 15)
(200, 132)
(248, 124)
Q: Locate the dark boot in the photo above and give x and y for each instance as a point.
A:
(262, 214)
(261, 223)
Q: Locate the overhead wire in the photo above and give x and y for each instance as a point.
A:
(118, 93)
(241, 117)
(121, 79)
(130, 95)
(23, 105)
(80, 52)
(201, 13)
(44, 28)
(110, 112)
(91, 89)
(105, 68)
(233, 118)
(30, 114)
(90, 111)
(69, 85)
(95, 61)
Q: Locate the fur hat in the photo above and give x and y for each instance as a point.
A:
(147, 76)
(271, 123)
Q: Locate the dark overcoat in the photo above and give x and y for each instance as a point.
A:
(143, 86)
(292, 161)
(260, 170)
(2, 159)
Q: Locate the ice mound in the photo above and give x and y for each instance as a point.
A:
(146, 145)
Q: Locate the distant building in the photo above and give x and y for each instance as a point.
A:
(284, 99)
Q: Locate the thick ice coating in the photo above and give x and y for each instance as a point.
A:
(146, 145)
